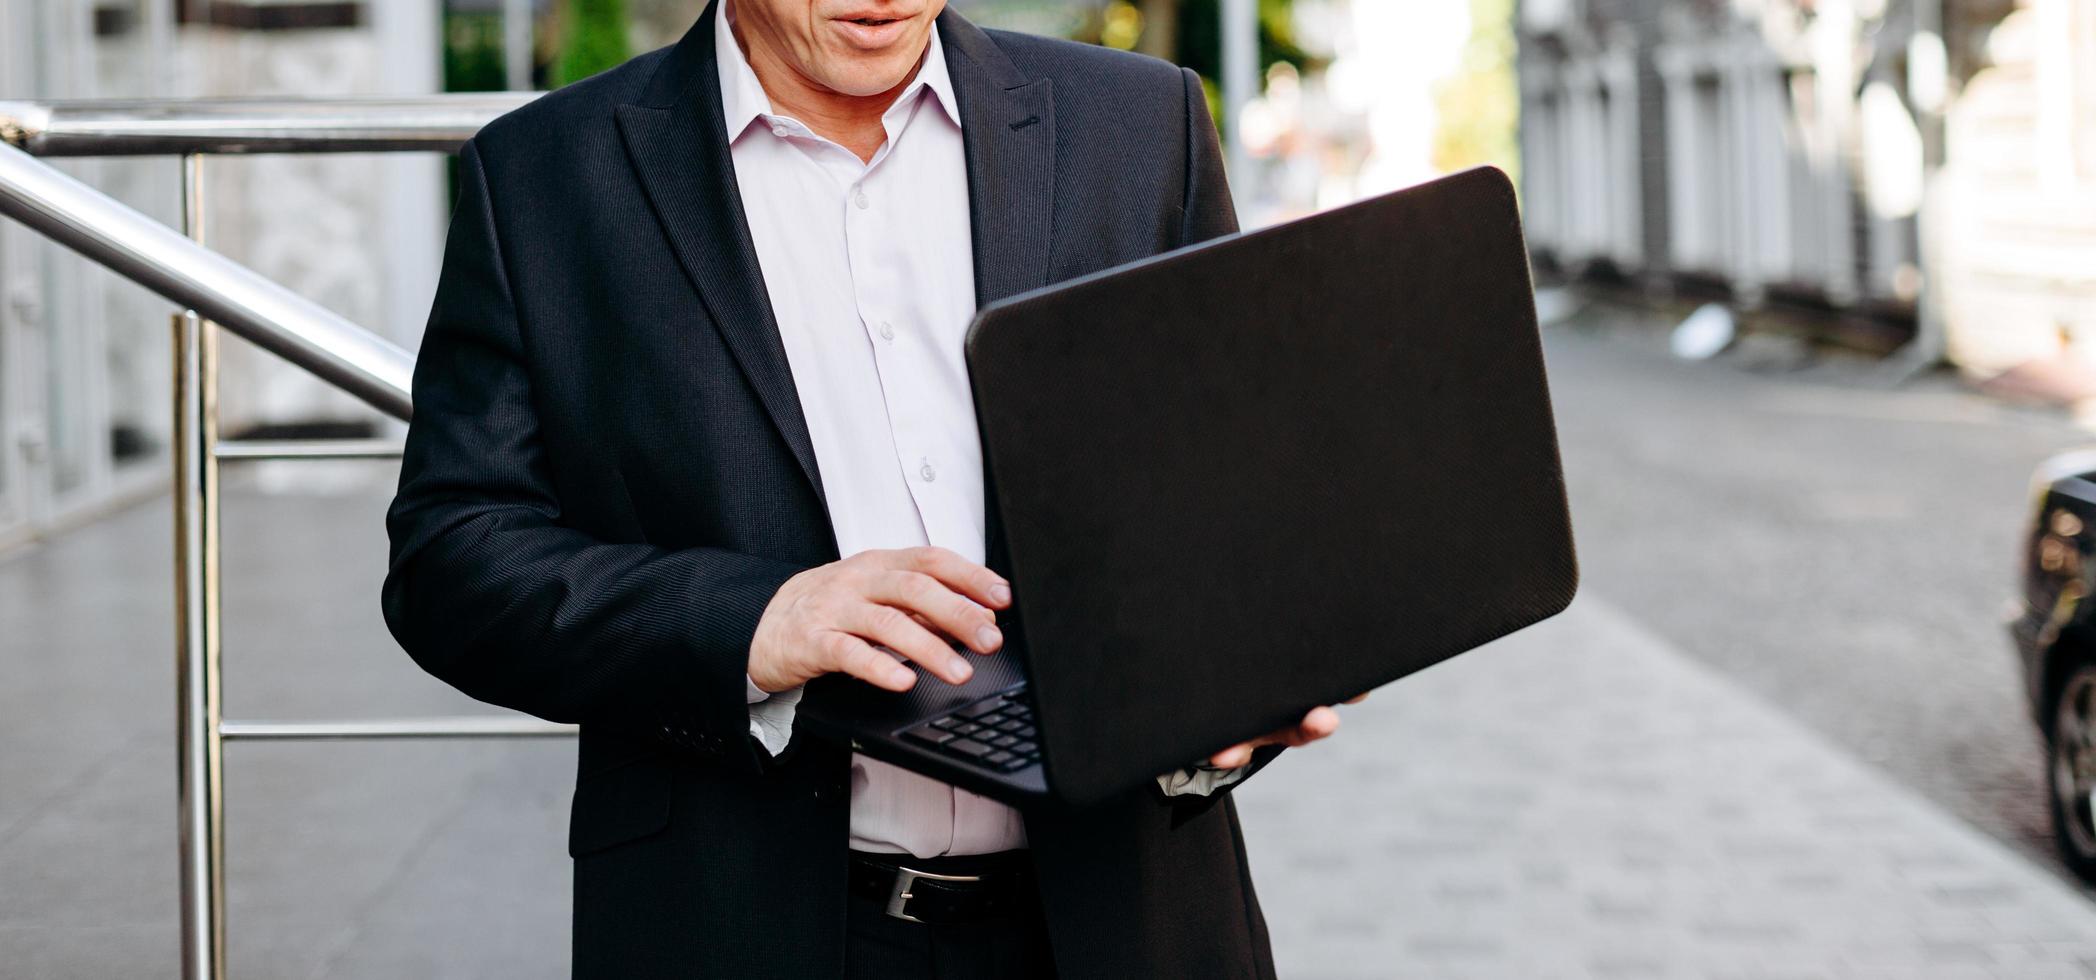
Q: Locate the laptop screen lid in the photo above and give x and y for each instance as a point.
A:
(1270, 472)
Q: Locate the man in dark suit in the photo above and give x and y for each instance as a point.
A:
(691, 429)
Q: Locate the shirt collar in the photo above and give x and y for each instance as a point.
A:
(742, 95)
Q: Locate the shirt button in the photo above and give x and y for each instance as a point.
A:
(927, 472)
(779, 131)
(887, 330)
(859, 198)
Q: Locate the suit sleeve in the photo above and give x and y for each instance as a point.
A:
(1209, 209)
(491, 592)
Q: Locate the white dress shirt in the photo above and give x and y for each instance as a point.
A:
(871, 274)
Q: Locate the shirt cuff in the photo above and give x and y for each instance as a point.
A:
(771, 716)
(1198, 780)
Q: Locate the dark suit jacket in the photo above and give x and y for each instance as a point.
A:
(608, 476)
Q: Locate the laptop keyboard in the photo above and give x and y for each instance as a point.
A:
(996, 732)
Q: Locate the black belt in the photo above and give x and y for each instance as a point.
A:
(946, 890)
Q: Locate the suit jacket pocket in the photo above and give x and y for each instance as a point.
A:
(624, 802)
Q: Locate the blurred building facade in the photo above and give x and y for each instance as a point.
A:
(2016, 203)
(1729, 141)
(1815, 150)
(84, 362)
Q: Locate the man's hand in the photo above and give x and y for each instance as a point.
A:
(1319, 723)
(830, 619)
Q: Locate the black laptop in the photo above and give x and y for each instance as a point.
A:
(1240, 480)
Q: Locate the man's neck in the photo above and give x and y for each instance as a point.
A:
(851, 121)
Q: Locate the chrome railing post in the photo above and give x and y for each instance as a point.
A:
(199, 779)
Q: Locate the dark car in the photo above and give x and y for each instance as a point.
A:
(2055, 632)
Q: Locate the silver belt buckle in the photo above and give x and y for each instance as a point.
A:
(899, 896)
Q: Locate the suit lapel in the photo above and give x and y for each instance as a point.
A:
(1008, 128)
(678, 143)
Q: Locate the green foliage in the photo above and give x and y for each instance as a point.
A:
(1201, 36)
(1479, 106)
(1214, 93)
(472, 63)
(592, 39)
(473, 52)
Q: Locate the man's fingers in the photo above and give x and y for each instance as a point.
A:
(849, 654)
(892, 628)
(930, 602)
(1319, 723)
(1232, 757)
(959, 574)
(1358, 698)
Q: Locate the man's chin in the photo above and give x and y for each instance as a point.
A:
(868, 81)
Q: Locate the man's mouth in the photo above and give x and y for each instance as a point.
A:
(872, 31)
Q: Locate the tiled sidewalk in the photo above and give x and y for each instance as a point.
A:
(1583, 801)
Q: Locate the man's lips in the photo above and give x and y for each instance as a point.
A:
(873, 30)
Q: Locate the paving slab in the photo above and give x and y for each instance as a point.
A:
(345, 860)
(1581, 800)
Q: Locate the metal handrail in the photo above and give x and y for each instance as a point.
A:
(242, 450)
(159, 258)
(463, 726)
(437, 123)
